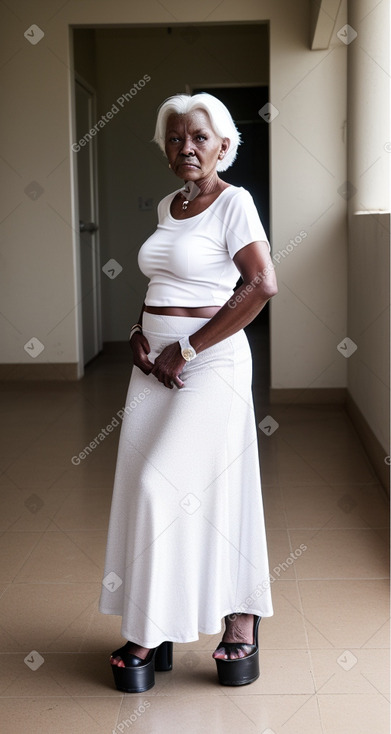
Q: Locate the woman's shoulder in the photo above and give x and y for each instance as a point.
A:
(239, 191)
(164, 204)
(236, 196)
(167, 199)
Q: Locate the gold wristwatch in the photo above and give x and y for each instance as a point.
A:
(187, 351)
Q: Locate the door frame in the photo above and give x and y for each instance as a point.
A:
(77, 78)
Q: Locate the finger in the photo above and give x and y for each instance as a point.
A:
(145, 346)
(144, 365)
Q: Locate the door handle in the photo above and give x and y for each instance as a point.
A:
(87, 226)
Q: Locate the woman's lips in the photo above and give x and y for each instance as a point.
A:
(186, 164)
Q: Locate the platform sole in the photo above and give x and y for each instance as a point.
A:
(238, 672)
(142, 678)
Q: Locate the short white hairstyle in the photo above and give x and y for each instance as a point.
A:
(220, 120)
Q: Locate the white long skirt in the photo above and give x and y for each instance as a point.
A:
(186, 541)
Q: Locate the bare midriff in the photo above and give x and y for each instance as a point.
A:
(201, 312)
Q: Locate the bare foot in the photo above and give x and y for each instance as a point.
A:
(133, 649)
(239, 628)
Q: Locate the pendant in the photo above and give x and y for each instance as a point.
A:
(189, 192)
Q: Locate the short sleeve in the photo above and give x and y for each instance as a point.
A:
(243, 224)
(162, 208)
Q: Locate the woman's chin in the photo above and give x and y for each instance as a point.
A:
(188, 173)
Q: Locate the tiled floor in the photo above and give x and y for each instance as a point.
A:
(324, 654)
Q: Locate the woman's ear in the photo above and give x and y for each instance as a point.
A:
(224, 147)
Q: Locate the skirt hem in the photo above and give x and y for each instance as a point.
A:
(179, 640)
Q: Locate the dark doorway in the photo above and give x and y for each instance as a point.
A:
(251, 170)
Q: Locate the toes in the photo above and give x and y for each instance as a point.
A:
(220, 654)
(239, 652)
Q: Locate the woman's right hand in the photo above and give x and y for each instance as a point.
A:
(140, 347)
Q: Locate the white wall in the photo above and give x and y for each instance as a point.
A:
(308, 317)
(369, 214)
(307, 163)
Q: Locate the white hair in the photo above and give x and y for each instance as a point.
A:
(220, 120)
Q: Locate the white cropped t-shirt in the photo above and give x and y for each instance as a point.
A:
(189, 261)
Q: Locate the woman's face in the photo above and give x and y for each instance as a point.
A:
(192, 147)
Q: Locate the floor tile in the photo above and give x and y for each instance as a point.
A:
(273, 507)
(354, 713)
(282, 714)
(286, 629)
(352, 671)
(84, 510)
(34, 616)
(58, 674)
(282, 672)
(23, 509)
(196, 714)
(335, 506)
(61, 715)
(279, 550)
(60, 557)
(15, 550)
(341, 553)
(343, 614)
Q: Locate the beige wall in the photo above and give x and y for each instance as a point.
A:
(308, 317)
(307, 166)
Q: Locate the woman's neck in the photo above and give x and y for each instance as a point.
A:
(207, 185)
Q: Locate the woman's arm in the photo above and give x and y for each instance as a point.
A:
(140, 347)
(259, 285)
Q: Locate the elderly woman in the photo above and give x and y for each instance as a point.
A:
(186, 542)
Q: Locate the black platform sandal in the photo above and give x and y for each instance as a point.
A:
(239, 671)
(139, 675)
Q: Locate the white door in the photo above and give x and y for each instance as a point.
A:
(88, 216)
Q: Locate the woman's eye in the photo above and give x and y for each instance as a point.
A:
(201, 137)
(174, 140)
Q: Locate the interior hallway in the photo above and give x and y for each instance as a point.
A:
(324, 653)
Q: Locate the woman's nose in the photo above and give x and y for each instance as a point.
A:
(187, 147)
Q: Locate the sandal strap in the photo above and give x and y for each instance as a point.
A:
(130, 660)
(235, 646)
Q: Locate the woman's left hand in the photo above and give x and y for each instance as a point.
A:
(168, 366)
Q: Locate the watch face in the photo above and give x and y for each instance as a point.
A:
(188, 354)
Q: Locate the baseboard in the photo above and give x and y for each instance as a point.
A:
(370, 442)
(307, 395)
(63, 371)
